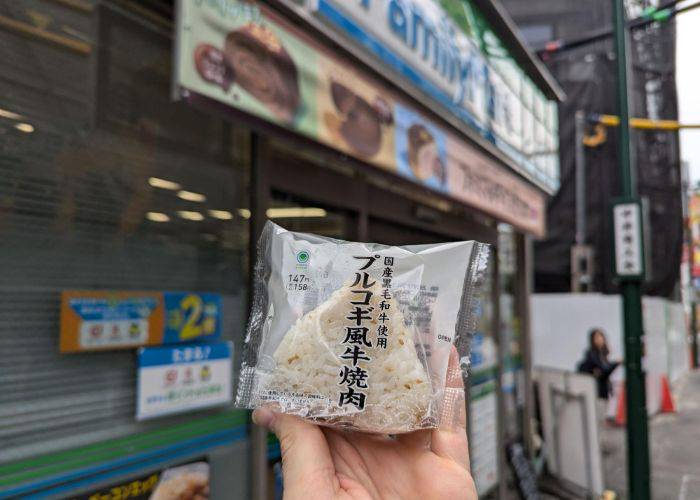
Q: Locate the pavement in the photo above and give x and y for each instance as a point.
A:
(674, 440)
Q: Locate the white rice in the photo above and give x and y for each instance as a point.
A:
(307, 372)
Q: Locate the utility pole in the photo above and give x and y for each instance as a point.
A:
(581, 254)
(637, 430)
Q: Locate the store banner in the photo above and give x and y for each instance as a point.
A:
(448, 51)
(102, 320)
(249, 57)
(179, 379)
(189, 480)
(694, 221)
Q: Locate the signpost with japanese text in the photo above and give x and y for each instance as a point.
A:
(629, 240)
(638, 468)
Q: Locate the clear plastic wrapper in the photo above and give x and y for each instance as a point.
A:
(359, 335)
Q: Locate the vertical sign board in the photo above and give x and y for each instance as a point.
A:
(629, 239)
(179, 379)
(483, 413)
(694, 222)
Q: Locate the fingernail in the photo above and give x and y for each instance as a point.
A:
(263, 417)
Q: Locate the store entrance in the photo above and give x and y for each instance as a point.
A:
(306, 194)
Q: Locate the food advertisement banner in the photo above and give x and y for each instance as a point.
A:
(101, 320)
(448, 50)
(694, 219)
(249, 57)
(190, 480)
(180, 379)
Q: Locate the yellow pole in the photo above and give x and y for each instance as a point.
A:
(646, 123)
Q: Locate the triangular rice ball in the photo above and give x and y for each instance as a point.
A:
(308, 367)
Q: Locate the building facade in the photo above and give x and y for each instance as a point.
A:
(143, 146)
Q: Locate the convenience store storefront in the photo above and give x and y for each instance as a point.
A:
(108, 183)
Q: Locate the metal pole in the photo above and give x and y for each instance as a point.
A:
(580, 123)
(637, 432)
(500, 402)
(580, 278)
(690, 249)
(260, 201)
(525, 291)
(694, 331)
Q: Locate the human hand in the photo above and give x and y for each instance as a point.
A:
(321, 463)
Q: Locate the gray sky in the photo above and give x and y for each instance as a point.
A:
(688, 82)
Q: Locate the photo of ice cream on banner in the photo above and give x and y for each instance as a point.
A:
(421, 153)
(354, 115)
(253, 58)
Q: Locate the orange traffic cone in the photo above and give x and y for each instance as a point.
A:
(667, 405)
(621, 414)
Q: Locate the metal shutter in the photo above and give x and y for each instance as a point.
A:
(74, 194)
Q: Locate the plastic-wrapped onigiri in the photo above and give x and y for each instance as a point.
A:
(310, 364)
(369, 354)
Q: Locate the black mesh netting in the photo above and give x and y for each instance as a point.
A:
(588, 76)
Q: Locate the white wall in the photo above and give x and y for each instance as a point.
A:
(678, 347)
(561, 322)
(656, 349)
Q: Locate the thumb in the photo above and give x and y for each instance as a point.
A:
(306, 459)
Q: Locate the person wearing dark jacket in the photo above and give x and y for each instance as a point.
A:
(595, 362)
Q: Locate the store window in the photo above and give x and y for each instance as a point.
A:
(105, 183)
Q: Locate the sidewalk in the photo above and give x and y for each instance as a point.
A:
(675, 448)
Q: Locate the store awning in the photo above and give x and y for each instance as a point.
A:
(507, 30)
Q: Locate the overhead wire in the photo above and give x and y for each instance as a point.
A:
(661, 13)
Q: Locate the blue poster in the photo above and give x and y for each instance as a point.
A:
(191, 316)
(183, 378)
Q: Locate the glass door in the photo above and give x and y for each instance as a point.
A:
(483, 381)
(297, 214)
(343, 205)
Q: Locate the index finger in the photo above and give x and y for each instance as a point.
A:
(450, 439)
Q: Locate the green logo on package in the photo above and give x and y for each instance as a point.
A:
(303, 257)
